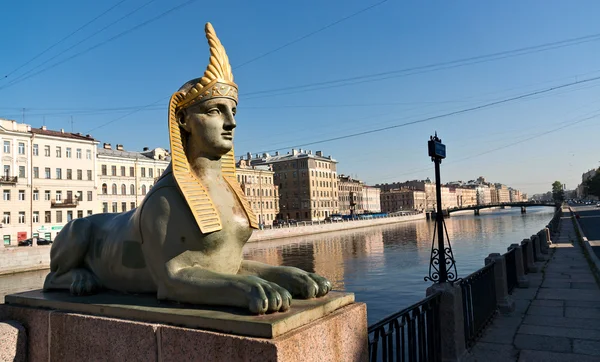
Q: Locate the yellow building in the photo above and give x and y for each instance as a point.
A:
(261, 192)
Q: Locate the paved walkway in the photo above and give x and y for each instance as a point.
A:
(557, 318)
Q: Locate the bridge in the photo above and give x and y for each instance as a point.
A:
(522, 205)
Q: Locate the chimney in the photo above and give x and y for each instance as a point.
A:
(44, 128)
(310, 152)
(319, 153)
(276, 153)
(119, 147)
(294, 152)
(62, 130)
(145, 149)
(248, 155)
(107, 146)
(88, 136)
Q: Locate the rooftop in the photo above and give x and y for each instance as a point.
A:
(295, 154)
(46, 132)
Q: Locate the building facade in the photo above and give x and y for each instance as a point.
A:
(307, 183)
(350, 194)
(261, 192)
(403, 200)
(125, 177)
(371, 199)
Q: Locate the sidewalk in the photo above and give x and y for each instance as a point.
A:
(557, 318)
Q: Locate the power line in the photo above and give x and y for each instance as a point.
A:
(126, 115)
(65, 38)
(309, 34)
(470, 109)
(22, 78)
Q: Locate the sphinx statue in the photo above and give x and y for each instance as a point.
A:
(184, 242)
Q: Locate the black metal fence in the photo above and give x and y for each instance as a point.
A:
(510, 258)
(479, 302)
(413, 334)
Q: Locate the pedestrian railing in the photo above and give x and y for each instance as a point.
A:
(479, 302)
(510, 259)
(412, 335)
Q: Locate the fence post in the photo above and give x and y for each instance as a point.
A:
(503, 299)
(543, 236)
(531, 266)
(452, 320)
(522, 280)
(537, 245)
(548, 237)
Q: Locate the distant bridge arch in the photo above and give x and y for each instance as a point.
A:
(522, 205)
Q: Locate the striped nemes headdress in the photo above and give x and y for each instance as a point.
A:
(217, 82)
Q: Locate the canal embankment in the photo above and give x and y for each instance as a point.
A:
(24, 258)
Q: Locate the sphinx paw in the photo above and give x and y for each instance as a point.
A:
(84, 282)
(267, 297)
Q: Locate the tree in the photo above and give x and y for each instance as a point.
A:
(558, 194)
(592, 185)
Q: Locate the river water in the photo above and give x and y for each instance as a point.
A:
(384, 266)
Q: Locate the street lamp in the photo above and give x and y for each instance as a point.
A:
(442, 266)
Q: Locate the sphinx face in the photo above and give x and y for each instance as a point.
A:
(210, 126)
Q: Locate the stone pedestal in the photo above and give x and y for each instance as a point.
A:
(504, 300)
(522, 280)
(13, 342)
(539, 256)
(548, 238)
(543, 237)
(452, 321)
(531, 267)
(138, 328)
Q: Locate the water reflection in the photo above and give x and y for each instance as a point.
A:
(385, 265)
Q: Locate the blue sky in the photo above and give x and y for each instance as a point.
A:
(147, 64)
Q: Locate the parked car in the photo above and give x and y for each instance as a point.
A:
(279, 222)
(29, 242)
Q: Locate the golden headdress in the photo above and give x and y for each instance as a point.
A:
(217, 82)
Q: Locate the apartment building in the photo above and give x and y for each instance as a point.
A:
(503, 193)
(350, 194)
(260, 190)
(308, 186)
(48, 179)
(125, 177)
(402, 200)
(371, 199)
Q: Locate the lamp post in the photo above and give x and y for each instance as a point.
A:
(442, 267)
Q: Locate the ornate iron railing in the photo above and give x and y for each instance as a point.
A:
(9, 179)
(525, 250)
(479, 302)
(413, 334)
(510, 259)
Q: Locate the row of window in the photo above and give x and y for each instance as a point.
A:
(114, 189)
(58, 149)
(262, 192)
(263, 204)
(244, 179)
(35, 217)
(58, 195)
(59, 174)
(6, 171)
(115, 207)
(113, 171)
(20, 148)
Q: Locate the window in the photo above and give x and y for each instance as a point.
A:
(103, 170)
(123, 189)
(58, 152)
(69, 174)
(80, 174)
(123, 171)
(68, 153)
(104, 189)
(21, 148)
(6, 146)
(150, 172)
(47, 195)
(79, 214)
(132, 189)
(88, 154)
(123, 206)
(69, 215)
(143, 189)
(58, 195)
(47, 151)
(89, 174)
(79, 195)
(132, 205)
(6, 217)
(21, 195)
(36, 150)
(58, 173)
(6, 239)
(59, 216)
(114, 189)
(36, 172)
(6, 170)
(6, 195)
(143, 172)
(21, 217)
(36, 217)
(114, 207)
(105, 207)
(113, 170)
(22, 171)
(47, 172)
(36, 195)
(89, 212)
(78, 152)
(47, 217)
(90, 196)
(131, 171)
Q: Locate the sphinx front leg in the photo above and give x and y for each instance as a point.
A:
(199, 286)
(301, 284)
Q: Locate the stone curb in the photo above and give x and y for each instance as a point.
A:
(588, 248)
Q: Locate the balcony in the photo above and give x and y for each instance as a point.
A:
(8, 179)
(64, 203)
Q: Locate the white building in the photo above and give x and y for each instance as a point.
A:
(371, 198)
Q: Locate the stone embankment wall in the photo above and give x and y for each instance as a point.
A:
(24, 258)
(325, 227)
